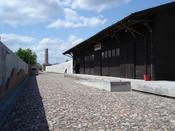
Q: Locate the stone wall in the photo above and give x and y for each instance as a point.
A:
(2, 64)
(66, 67)
(12, 70)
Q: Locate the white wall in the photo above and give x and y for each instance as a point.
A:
(60, 68)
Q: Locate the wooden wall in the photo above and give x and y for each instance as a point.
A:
(164, 44)
(120, 58)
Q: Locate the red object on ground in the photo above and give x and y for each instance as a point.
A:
(147, 77)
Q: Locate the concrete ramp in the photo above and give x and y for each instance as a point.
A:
(163, 88)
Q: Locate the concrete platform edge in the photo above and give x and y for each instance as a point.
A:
(162, 88)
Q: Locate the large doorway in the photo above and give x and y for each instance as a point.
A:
(140, 58)
(97, 63)
(127, 69)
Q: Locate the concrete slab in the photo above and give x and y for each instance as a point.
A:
(163, 88)
(102, 83)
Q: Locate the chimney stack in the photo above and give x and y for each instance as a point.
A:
(46, 57)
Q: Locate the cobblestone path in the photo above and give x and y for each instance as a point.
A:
(52, 102)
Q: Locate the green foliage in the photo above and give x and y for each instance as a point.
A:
(27, 55)
(39, 66)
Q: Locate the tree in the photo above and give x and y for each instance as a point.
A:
(39, 66)
(27, 55)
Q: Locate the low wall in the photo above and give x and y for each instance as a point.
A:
(12, 70)
(162, 88)
(61, 68)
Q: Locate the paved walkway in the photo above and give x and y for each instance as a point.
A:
(52, 102)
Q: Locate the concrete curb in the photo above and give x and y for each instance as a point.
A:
(161, 88)
(9, 101)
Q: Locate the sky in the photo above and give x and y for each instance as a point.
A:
(60, 24)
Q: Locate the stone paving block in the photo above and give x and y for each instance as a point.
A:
(51, 101)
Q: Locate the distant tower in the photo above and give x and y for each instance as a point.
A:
(46, 59)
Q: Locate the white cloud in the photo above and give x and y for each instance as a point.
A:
(49, 43)
(16, 12)
(56, 46)
(73, 20)
(15, 41)
(97, 5)
(15, 37)
(22, 12)
(74, 40)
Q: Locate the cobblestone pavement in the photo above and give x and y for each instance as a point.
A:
(57, 103)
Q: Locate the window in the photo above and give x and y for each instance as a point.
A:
(109, 53)
(89, 58)
(92, 56)
(117, 51)
(113, 52)
(102, 54)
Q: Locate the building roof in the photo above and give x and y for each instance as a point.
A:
(130, 20)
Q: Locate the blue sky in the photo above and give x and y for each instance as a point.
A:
(61, 24)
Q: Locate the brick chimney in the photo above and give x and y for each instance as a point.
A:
(46, 57)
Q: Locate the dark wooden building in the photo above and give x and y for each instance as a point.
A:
(142, 43)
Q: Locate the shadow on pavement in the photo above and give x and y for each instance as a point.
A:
(28, 113)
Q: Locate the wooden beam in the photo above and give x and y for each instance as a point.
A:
(69, 55)
(135, 31)
(139, 21)
(133, 35)
(148, 27)
(116, 37)
(84, 51)
(118, 27)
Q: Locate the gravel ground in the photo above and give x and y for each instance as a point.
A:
(52, 102)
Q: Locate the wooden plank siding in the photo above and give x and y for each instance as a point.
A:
(164, 44)
(126, 59)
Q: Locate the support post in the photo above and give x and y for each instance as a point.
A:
(152, 49)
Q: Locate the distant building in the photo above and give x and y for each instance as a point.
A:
(65, 67)
(141, 44)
